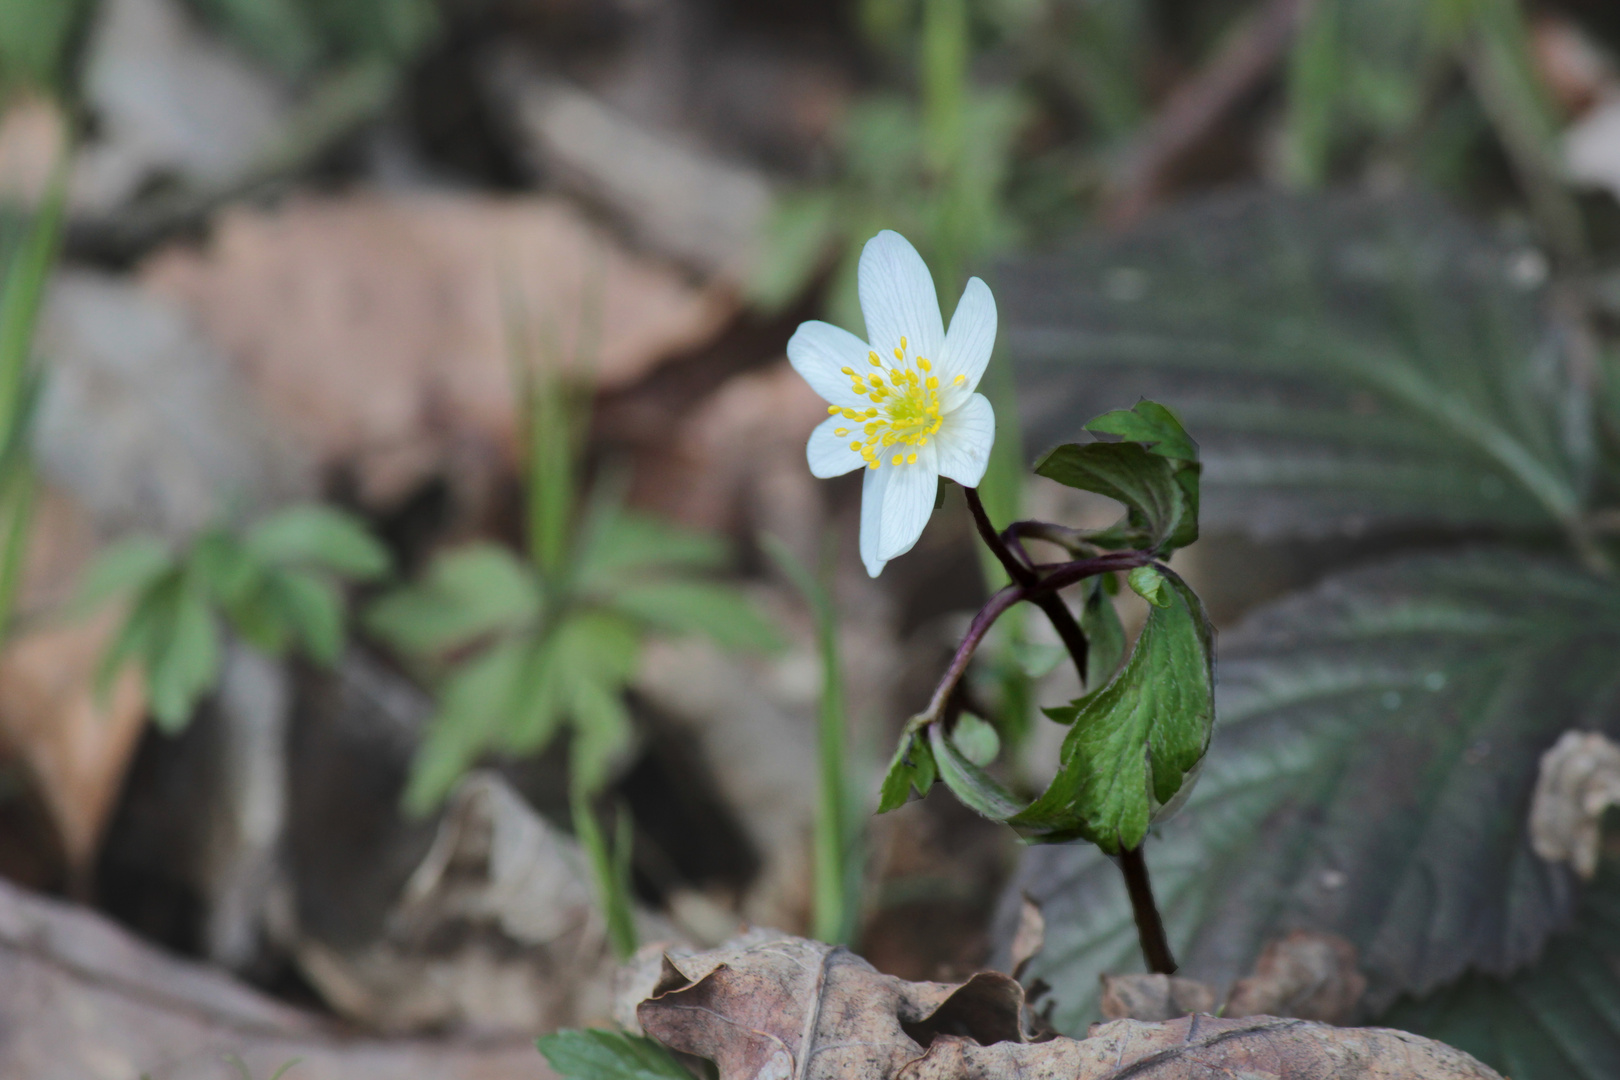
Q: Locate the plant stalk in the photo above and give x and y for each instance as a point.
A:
(1149, 926)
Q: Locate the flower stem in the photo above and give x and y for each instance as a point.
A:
(1057, 612)
(1149, 926)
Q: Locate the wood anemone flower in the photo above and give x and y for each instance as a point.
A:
(901, 405)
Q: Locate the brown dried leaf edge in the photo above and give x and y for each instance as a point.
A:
(773, 1007)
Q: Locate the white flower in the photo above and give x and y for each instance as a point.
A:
(902, 406)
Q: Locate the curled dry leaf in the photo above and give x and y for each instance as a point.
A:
(1579, 779)
(770, 1007)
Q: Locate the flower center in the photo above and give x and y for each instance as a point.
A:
(905, 409)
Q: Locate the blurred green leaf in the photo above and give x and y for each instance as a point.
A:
(474, 702)
(625, 542)
(468, 593)
(594, 1054)
(1126, 472)
(687, 607)
(34, 40)
(319, 536)
(976, 740)
(128, 566)
(183, 656)
(1347, 361)
(312, 609)
(1371, 774)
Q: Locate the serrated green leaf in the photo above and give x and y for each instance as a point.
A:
(322, 537)
(1371, 774)
(1128, 473)
(1347, 361)
(312, 609)
(129, 566)
(468, 593)
(1132, 744)
(911, 767)
(594, 1054)
(687, 607)
(1150, 424)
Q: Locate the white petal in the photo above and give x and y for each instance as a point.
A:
(829, 454)
(873, 489)
(907, 503)
(964, 440)
(819, 351)
(970, 341)
(898, 298)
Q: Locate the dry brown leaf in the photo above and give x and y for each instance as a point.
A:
(1030, 937)
(1306, 975)
(770, 1007)
(1154, 997)
(377, 329)
(1578, 781)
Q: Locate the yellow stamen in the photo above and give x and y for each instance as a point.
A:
(959, 380)
(899, 354)
(933, 382)
(872, 358)
(902, 341)
(833, 410)
(897, 459)
(924, 364)
(855, 446)
(911, 459)
(840, 431)
(847, 371)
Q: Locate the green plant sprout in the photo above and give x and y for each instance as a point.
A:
(839, 854)
(521, 644)
(277, 585)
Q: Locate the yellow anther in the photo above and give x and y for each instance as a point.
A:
(871, 464)
(872, 358)
(851, 414)
(870, 413)
(840, 431)
(959, 380)
(911, 459)
(924, 364)
(855, 446)
(922, 440)
(933, 382)
(875, 380)
(833, 410)
(847, 370)
(898, 458)
(902, 341)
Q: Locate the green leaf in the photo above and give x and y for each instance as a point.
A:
(312, 608)
(475, 702)
(976, 740)
(1105, 634)
(225, 568)
(1347, 361)
(594, 1054)
(1150, 424)
(685, 607)
(1128, 473)
(1132, 744)
(182, 657)
(601, 730)
(911, 767)
(1379, 740)
(1148, 583)
(977, 789)
(322, 537)
(625, 542)
(129, 566)
(468, 593)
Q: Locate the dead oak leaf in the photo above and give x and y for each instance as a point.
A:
(772, 1007)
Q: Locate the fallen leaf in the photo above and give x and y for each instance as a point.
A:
(1029, 937)
(1579, 779)
(379, 330)
(1154, 997)
(771, 1007)
(1306, 975)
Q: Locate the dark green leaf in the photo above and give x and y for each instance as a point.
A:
(126, 567)
(1105, 635)
(685, 607)
(1150, 424)
(1132, 744)
(321, 537)
(1557, 1020)
(977, 789)
(594, 1054)
(1347, 361)
(1127, 472)
(468, 593)
(911, 767)
(1371, 774)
